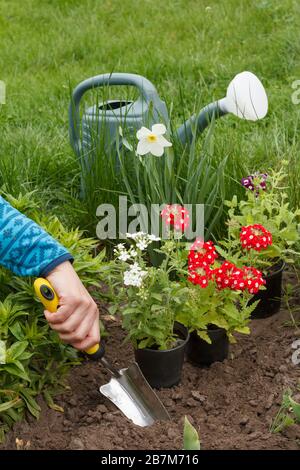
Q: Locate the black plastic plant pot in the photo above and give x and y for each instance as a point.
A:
(162, 368)
(201, 353)
(270, 298)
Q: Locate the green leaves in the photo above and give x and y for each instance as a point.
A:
(9, 404)
(184, 174)
(223, 308)
(191, 439)
(16, 350)
(288, 413)
(30, 402)
(17, 369)
(270, 209)
(295, 409)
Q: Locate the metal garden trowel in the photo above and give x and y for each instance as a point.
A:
(128, 389)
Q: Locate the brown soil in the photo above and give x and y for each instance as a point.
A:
(231, 404)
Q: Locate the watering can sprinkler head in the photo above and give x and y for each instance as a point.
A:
(246, 98)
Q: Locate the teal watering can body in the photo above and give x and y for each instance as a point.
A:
(99, 127)
(101, 122)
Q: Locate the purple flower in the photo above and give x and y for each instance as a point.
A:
(255, 182)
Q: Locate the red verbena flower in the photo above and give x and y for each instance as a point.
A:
(200, 276)
(176, 216)
(226, 274)
(250, 279)
(201, 254)
(231, 277)
(255, 237)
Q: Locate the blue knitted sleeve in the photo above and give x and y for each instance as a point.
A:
(25, 248)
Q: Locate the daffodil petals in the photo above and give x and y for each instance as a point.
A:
(159, 129)
(164, 142)
(156, 149)
(142, 133)
(143, 147)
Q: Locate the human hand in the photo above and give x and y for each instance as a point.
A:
(77, 318)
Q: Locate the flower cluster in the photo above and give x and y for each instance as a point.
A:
(227, 276)
(255, 237)
(176, 216)
(255, 182)
(200, 275)
(142, 240)
(246, 278)
(201, 254)
(134, 276)
(123, 254)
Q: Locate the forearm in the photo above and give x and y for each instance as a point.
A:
(25, 248)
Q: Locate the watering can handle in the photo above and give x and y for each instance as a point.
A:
(146, 88)
(50, 300)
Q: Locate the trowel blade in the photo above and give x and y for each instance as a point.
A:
(132, 394)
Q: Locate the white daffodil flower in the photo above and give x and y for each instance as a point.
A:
(152, 141)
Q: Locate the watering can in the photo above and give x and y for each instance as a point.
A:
(245, 98)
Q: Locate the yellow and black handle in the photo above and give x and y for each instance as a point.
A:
(50, 300)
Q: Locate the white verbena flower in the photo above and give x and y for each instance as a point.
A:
(121, 253)
(134, 276)
(141, 240)
(133, 253)
(135, 235)
(142, 245)
(124, 256)
(152, 141)
(153, 238)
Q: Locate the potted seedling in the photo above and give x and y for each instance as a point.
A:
(149, 301)
(262, 232)
(217, 303)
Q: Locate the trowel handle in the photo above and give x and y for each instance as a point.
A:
(146, 88)
(50, 300)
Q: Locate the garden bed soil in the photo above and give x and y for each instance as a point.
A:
(231, 404)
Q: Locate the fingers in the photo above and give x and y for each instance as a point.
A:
(62, 314)
(81, 327)
(69, 308)
(65, 322)
(90, 340)
(77, 327)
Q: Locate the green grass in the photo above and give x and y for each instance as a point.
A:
(194, 45)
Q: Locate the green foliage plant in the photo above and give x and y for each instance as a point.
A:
(270, 208)
(146, 297)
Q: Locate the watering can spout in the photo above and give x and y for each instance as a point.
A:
(246, 98)
(191, 128)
